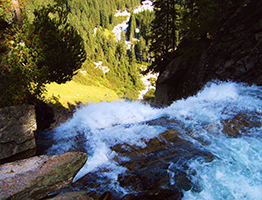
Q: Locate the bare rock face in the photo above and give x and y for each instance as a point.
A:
(234, 55)
(38, 176)
(17, 126)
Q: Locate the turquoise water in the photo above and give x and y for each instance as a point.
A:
(224, 119)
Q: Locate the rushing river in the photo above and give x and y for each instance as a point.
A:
(208, 146)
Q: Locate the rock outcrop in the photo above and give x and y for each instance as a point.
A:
(38, 176)
(17, 126)
(234, 55)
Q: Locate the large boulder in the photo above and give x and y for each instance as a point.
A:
(38, 176)
(17, 126)
(234, 55)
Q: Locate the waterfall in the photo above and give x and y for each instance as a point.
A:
(208, 145)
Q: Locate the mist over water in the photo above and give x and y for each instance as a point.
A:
(224, 119)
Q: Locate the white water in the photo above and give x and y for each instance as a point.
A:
(236, 171)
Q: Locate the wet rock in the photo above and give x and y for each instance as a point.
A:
(106, 196)
(44, 141)
(159, 194)
(17, 126)
(162, 163)
(89, 180)
(145, 180)
(36, 177)
(94, 195)
(240, 125)
(98, 182)
(81, 195)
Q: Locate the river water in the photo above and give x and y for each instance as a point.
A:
(209, 146)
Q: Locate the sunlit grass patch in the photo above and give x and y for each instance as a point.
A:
(74, 93)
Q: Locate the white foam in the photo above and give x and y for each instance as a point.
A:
(236, 171)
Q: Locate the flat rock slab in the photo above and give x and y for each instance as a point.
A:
(36, 177)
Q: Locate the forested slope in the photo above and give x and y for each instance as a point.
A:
(93, 21)
(183, 31)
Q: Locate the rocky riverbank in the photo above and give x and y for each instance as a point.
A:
(30, 176)
(26, 176)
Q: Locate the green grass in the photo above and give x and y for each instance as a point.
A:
(75, 93)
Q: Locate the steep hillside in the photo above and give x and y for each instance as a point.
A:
(235, 54)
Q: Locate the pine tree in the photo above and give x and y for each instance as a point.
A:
(131, 30)
(140, 49)
(185, 22)
(144, 20)
(204, 17)
(163, 30)
(60, 49)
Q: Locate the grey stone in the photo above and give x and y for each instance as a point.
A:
(38, 176)
(17, 126)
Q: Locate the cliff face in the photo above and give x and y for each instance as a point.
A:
(234, 55)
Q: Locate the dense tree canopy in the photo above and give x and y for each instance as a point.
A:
(57, 45)
(55, 39)
(47, 50)
(94, 20)
(144, 20)
(131, 29)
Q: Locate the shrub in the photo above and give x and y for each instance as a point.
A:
(150, 95)
(49, 50)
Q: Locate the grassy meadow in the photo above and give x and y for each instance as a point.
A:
(73, 93)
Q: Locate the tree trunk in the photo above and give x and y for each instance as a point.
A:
(17, 14)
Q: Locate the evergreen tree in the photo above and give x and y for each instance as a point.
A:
(140, 49)
(58, 47)
(144, 20)
(104, 19)
(163, 30)
(131, 29)
(47, 50)
(203, 17)
(93, 20)
(132, 55)
(185, 22)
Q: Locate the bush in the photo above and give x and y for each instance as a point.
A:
(47, 50)
(150, 95)
(56, 46)
(18, 77)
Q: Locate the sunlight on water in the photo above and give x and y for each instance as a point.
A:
(234, 173)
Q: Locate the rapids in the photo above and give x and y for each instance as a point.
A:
(208, 146)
